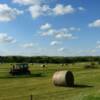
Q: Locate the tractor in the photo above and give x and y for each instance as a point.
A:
(20, 69)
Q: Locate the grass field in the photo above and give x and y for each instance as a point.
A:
(20, 88)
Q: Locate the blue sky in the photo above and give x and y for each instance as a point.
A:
(50, 27)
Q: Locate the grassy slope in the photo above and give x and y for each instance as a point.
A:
(88, 81)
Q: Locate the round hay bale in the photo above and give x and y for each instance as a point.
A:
(43, 65)
(63, 78)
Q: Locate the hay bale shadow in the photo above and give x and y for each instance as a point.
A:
(23, 76)
(37, 75)
(82, 86)
(77, 86)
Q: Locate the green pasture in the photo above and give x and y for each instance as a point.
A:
(87, 83)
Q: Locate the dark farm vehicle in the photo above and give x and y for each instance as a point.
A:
(20, 69)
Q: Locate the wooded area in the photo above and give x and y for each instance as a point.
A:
(46, 59)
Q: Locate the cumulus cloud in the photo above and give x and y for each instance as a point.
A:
(7, 13)
(95, 23)
(35, 11)
(61, 9)
(74, 29)
(81, 8)
(4, 38)
(27, 2)
(44, 10)
(45, 26)
(48, 32)
(63, 33)
(39, 8)
(53, 43)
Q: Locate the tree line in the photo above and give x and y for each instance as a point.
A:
(46, 59)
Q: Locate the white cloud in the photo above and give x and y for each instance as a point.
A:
(35, 11)
(61, 49)
(61, 9)
(4, 38)
(48, 32)
(81, 8)
(45, 10)
(27, 2)
(7, 13)
(46, 29)
(53, 43)
(39, 10)
(27, 45)
(63, 33)
(74, 29)
(45, 26)
(95, 23)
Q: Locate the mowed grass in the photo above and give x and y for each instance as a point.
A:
(87, 83)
